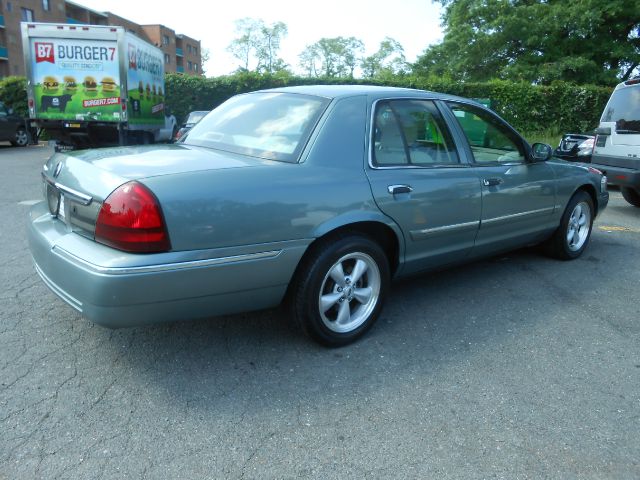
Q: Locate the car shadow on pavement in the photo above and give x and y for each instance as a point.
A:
(431, 323)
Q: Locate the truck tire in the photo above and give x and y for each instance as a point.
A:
(631, 195)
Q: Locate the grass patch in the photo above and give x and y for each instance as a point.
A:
(550, 137)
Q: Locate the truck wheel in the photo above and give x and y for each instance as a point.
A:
(340, 289)
(631, 195)
(21, 138)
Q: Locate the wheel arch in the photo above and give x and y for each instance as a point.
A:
(591, 191)
(377, 227)
(382, 231)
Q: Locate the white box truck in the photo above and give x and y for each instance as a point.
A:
(94, 85)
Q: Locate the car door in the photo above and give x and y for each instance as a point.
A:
(518, 196)
(418, 180)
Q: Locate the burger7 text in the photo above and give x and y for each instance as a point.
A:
(76, 52)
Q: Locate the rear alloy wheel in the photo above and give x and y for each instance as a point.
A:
(340, 289)
(21, 139)
(572, 237)
(631, 195)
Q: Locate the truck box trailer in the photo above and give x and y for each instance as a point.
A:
(94, 85)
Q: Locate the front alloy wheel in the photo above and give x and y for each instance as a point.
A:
(572, 236)
(339, 289)
(579, 226)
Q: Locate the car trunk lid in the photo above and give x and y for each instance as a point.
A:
(77, 183)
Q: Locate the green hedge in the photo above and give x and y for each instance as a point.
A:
(13, 92)
(559, 107)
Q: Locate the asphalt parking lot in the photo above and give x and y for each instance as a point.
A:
(515, 367)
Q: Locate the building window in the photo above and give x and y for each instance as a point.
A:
(165, 39)
(45, 5)
(9, 8)
(167, 58)
(195, 67)
(190, 65)
(188, 48)
(195, 50)
(26, 15)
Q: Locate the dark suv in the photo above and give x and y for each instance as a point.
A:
(13, 128)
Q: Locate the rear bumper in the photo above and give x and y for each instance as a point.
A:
(117, 289)
(619, 171)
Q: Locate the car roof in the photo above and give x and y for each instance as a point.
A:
(337, 91)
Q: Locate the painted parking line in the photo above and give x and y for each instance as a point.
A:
(28, 203)
(612, 228)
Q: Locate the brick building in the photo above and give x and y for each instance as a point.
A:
(182, 54)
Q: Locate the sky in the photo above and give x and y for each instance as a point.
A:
(414, 23)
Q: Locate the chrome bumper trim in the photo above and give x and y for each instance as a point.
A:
(209, 262)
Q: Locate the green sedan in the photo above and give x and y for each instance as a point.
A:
(318, 196)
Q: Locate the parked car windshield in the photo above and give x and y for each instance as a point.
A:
(195, 117)
(273, 126)
(624, 108)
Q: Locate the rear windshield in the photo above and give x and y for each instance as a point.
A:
(273, 126)
(624, 109)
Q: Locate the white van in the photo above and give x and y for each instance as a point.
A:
(617, 148)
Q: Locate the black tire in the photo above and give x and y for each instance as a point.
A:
(563, 244)
(631, 195)
(355, 306)
(21, 138)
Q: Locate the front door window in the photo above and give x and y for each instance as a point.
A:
(490, 140)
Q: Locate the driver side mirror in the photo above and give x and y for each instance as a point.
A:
(10, 111)
(541, 152)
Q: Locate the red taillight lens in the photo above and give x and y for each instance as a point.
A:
(131, 220)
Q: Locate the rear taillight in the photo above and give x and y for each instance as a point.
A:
(131, 220)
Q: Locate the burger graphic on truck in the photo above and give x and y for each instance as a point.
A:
(50, 84)
(108, 85)
(90, 84)
(70, 84)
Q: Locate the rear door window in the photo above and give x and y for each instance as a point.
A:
(411, 133)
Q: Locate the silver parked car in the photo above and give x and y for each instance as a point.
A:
(319, 195)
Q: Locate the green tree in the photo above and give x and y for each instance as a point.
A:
(332, 57)
(244, 46)
(389, 60)
(13, 92)
(268, 46)
(258, 44)
(582, 41)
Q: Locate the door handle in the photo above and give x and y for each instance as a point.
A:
(491, 182)
(396, 189)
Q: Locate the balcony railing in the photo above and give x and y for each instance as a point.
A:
(179, 52)
(74, 21)
(180, 69)
(1, 21)
(4, 54)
